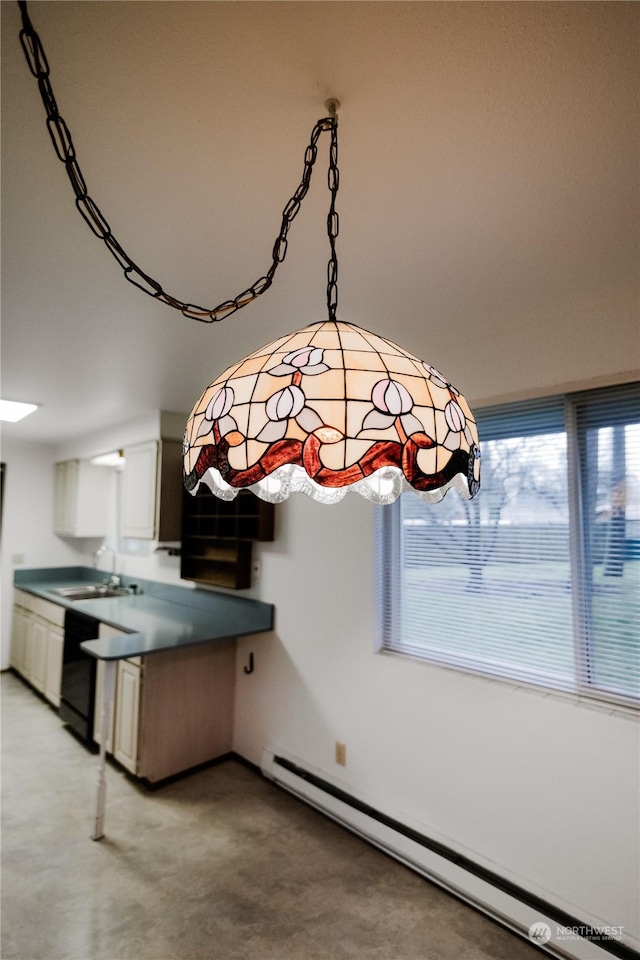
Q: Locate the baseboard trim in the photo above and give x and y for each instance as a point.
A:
(504, 901)
(152, 785)
(245, 763)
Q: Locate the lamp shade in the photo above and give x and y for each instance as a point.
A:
(327, 409)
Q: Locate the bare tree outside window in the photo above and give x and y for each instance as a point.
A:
(524, 486)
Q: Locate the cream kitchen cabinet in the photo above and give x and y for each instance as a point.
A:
(81, 499)
(127, 720)
(104, 631)
(166, 660)
(173, 710)
(122, 738)
(55, 651)
(37, 653)
(37, 642)
(19, 631)
(152, 491)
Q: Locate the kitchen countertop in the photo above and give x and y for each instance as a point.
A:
(161, 617)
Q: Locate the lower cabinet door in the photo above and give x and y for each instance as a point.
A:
(37, 647)
(37, 642)
(105, 632)
(125, 747)
(19, 639)
(29, 645)
(55, 649)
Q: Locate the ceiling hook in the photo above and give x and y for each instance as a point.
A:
(332, 106)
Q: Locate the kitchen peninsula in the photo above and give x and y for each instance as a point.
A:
(165, 654)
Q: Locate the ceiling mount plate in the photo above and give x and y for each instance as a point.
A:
(332, 106)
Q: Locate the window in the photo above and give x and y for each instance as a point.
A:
(538, 578)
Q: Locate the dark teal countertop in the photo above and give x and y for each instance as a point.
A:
(161, 617)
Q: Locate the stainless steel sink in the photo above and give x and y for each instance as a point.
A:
(88, 592)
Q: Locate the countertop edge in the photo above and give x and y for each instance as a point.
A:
(134, 643)
(104, 649)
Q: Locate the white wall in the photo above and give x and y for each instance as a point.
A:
(28, 539)
(535, 787)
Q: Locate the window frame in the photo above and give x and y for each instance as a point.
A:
(388, 548)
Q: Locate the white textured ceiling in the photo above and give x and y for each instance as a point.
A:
(488, 203)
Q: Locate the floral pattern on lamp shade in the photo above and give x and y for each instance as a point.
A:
(335, 407)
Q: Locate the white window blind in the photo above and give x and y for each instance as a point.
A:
(538, 578)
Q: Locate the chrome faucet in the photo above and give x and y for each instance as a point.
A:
(114, 579)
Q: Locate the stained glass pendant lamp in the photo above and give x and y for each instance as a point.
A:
(331, 408)
(324, 410)
(328, 409)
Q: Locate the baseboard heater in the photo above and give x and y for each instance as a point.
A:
(499, 898)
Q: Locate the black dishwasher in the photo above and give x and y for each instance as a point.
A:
(78, 689)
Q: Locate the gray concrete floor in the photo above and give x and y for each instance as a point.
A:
(220, 865)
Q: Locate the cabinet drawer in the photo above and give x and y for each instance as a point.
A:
(25, 600)
(52, 612)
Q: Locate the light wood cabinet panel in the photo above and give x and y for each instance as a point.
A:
(187, 708)
(173, 710)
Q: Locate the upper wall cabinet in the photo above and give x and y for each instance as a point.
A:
(152, 490)
(81, 499)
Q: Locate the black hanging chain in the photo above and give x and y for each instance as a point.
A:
(65, 151)
(333, 223)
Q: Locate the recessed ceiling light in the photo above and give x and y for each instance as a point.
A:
(13, 411)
